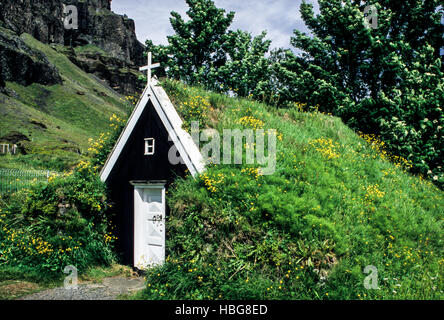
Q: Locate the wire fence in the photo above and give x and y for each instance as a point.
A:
(13, 180)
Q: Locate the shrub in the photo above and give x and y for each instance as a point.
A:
(66, 221)
(63, 222)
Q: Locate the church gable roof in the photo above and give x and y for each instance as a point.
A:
(185, 145)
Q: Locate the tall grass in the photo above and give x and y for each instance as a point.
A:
(334, 206)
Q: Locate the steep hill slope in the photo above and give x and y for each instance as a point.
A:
(335, 220)
(117, 53)
(52, 123)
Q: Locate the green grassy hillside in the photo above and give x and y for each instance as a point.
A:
(334, 206)
(58, 119)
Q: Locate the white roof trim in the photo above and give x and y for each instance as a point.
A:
(188, 151)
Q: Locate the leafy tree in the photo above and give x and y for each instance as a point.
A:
(247, 70)
(197, 45)
(386, 80)
(202, 50)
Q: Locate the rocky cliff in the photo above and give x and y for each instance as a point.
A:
(51, 124)
(23, 65)
(118, 52)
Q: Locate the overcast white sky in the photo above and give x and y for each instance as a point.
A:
(278, 17)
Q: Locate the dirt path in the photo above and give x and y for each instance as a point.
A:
(110, 289)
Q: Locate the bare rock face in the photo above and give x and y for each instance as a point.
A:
(22, 64)
(118, 74)
(39, 18)
(2, 82)
(97, 26)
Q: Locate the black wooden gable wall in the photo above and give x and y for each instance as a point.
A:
(134, 165)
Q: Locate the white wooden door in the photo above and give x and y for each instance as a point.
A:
(149, 226)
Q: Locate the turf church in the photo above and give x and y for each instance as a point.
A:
(138, 172)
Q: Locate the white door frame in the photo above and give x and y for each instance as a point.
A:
(141, 241)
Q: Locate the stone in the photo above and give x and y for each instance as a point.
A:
(98, 26)
(2, 82)
(39, 18)
(24, 65)
(118, 74)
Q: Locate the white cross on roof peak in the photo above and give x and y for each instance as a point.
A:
(149, 67)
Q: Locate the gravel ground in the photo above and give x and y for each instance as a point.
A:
(110, 289)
